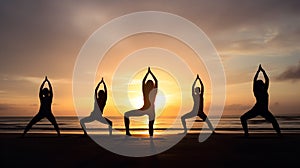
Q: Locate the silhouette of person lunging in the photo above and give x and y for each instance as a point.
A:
(99, 104)
(197, 110)
(46, 96)
(260, 90)
(149, 94)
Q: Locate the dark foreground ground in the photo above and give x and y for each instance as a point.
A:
(220, 150)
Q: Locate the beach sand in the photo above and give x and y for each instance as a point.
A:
(219, 150)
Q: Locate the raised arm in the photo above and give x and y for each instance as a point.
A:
(202, 86)
(193, 87)
(256, 76)
(50, 87)
(105, 89)
(266, 78)
(144, 80)
(155, 80)
(41, 88)
(97, 87)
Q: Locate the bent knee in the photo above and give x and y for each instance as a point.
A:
(243, 118)
(203, 117)
(126, 114)
(182, 118)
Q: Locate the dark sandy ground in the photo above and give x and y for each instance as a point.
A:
(219, 150)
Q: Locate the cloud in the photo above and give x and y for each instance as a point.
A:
(257, 28)
(291, 73)
(29, 79)
(38, 80)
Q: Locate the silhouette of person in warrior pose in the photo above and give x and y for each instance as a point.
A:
(149, 95)
(99, 104)
(197, 110)
(260, 90)
(46, 96)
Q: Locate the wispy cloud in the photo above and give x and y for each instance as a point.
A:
(38, 80)
(291, 73)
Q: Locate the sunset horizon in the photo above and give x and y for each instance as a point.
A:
(159, 83)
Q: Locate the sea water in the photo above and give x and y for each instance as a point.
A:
(163, 125)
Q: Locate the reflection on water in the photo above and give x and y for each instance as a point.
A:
(70, 125)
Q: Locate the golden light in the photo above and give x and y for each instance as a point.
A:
(168, 98)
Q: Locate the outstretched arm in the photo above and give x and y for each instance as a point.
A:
(266, 77)
(156, 82)
(50, 87)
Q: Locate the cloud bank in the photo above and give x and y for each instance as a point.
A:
(291, 73)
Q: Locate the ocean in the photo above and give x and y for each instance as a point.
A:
(227, 124)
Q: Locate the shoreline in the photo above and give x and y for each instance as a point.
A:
(219, 150)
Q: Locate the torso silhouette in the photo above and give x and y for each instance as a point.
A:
(100, 102)
(198, 103)
(149, 96)
(262, 97)
(45, 102)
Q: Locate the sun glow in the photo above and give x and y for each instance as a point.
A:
(168, 98)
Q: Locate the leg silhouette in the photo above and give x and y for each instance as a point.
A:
(269, 117)
(151, 123)
(109, 125)
(85, 120)
(94, 117)
(127, 122)
(248, 115)
(204, 118)
(51, 118)
(186, 116)
(34, 120)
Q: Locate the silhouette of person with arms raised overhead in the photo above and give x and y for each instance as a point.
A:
(149, 95)
(260, 90)
(46, 96)
(197, 110)
(99, 104)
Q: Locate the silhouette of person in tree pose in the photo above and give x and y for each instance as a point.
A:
(260, 90)
(197, 110)
(99, 104)
(46, 96)
(149, 95)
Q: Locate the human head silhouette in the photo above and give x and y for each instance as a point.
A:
(197, 90)
(260, 84)
(149, 85)
(45, 92)
(101, 94)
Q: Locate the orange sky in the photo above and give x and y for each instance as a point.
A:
(45, 39)
(149, 49)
